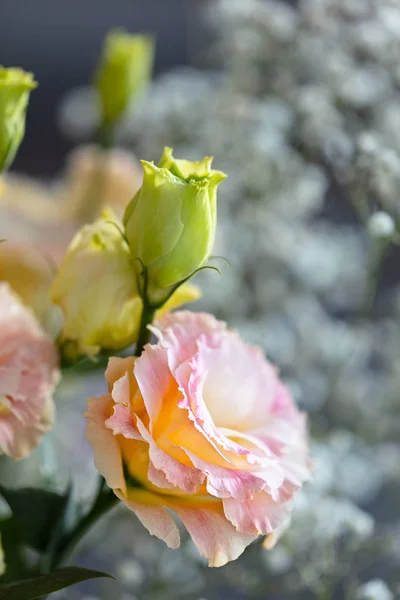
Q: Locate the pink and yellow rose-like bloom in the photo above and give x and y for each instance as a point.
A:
(201, 424)
(28, 375)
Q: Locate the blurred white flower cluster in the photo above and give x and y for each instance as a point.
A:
(304, 116)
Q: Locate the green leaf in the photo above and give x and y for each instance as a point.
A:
(35, 587)
(59, 529)
(36, 511)
(12, 547)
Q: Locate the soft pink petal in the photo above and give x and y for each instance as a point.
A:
(258, 515)
(214, 536)
(121, 422)
(154, 378)
(154, 517)
(236, 386)
(227, 391)
(158, 478)
(121, 390)
(118, 367)
(107, 455)
(227, 483)
(283, 405)
(28, 376)
(180, 332)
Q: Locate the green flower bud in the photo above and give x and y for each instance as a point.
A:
(124, 72)
(15, 86)
(170, 223)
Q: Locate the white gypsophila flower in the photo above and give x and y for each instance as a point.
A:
(306, 103)
(381, 225)
(387, 121)
(346, 465)
(358, 473)
(279, 560)
(376, 589)
(319, 523)
(388, 457)
(322, 265)
(335, 517)
(130, 572)
(368, 143)
(364, 87)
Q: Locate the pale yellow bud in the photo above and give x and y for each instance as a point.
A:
(96, 289)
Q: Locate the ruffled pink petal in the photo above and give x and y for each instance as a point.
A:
(154, 378)
(18, 438)
(28, 376)
(259, 515)
(121, 390)
(180, 332)
(283, 405)
(158, 478)
(181, 476)
(288, 441)
(107, 455)
(229, 388)
(153, 517)
(297, 468)
(121, 422)
(227, 483)
(118, 367)
(214, 536)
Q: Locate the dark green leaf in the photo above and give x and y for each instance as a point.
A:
(12, 547)
(36, 511)
(59, 529)
(35, 587)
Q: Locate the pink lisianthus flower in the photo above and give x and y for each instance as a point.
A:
(28, 375)
(201, 424)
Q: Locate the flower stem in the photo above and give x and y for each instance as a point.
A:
(105, 500)
(144, 333)
(376, 258)
(105, 136)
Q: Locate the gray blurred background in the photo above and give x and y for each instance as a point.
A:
(60, 41)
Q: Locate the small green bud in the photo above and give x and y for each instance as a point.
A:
(170, 223)
(124, 72)
(15, 86)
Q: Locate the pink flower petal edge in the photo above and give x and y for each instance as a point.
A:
(28, 376)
